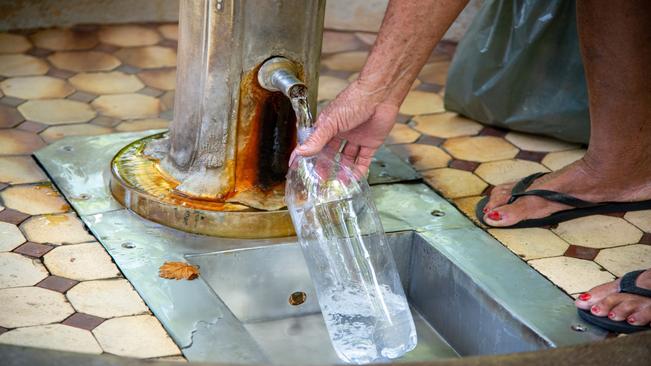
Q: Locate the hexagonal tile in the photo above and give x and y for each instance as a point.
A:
(506, 171)
(454, 183)
(115, 82)
(435, 73)
(36, 87)
(128, 35)
(64, 39)
(84, 61)
(330, 86)
(21, 65)
(641, 219)
(19, 170)
(9, 117)
(106, 298)
(56, 229)
(167, 101)
(163, 79)
(127, 106)
(346, 61)
(531, 243)
(422, 157)
(338, 42)
(571, 274)
(150, 57)
(420, 102)
(146, 337)
(27, 306)
(598, 231)
(142, 125)
(560, 159)
(34, 199)
(56, 111)
(624, 259)
(531, 142)
(480, 148)
(17, 270)
(13, 43)
(169, 31)
(401, 134)
(54, 336)
(81, 262)
(16, 142)
(56, 133)
(10, 236)
(446, 125)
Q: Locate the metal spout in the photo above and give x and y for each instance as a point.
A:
(281, 74)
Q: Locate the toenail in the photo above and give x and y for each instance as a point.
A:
(585, 297)
(595, 309)
(611, 315)
(486, 209)
(495, 216)
(630, 319)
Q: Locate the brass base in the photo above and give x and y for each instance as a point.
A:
(138, 183)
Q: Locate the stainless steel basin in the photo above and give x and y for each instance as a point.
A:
(454, 317)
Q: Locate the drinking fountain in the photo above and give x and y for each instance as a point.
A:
(220, 169)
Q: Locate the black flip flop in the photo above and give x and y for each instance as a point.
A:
(580, 208)
(626, 285)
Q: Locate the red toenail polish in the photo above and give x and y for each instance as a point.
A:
(585, 297)
(595, 309)
(611, 315)
(630, 319)
(495, 216)
(486, 209)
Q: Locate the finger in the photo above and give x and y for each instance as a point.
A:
(362, 165)
(326, 130)
(351, 150)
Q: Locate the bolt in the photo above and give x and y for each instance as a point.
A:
(437, 213)
(578, 328)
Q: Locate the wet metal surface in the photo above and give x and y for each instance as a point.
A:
(500, 303)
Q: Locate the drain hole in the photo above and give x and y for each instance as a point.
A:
(578, 328)
(67, 148)
(297, 298)
(128, 245)
(437, 213)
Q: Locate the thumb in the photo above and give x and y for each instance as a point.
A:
(325, 131)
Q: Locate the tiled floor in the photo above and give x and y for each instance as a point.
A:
(60, 289)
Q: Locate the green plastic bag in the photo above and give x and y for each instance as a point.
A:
(519, 67)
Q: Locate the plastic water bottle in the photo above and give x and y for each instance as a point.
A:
(349, 259)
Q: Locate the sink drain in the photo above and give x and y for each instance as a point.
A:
(297, 298)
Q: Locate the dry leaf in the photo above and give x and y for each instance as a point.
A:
(178, 271)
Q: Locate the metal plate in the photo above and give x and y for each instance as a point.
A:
(203, 326)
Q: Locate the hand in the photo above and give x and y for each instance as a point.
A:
(357, 115)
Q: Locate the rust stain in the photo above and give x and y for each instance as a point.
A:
(55, 219)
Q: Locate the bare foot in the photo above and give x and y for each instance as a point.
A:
(606, 300)
(579, 179)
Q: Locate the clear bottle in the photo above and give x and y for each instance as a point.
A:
(349, 259)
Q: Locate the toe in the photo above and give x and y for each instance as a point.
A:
(586, 300)
(508, 215)
(499, 196)
(606, 305)
(624, 309)
(640, 317)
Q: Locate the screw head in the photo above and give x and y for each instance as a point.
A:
(128, 245)
(578, 328)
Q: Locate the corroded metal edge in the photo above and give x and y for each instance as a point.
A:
(232, 224)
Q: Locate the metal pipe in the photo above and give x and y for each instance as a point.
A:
(281, 74)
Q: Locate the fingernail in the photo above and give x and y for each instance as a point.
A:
(585, 297)
(595, 309)
(486, 209)
(611, 315)
(495, 216)
(630, 319)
